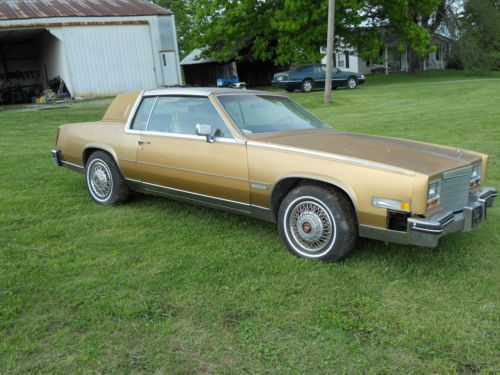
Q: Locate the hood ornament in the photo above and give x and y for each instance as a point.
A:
(459, 153)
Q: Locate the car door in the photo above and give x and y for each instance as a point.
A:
(174, 161)
(318, 75)
(339, 78)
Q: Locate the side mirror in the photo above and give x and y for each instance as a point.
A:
(205, 131)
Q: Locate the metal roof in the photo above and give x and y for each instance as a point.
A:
(194, 58)
(201, 91)
(27, 9)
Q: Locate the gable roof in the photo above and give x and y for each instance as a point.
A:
(194, 57)
(26, 9)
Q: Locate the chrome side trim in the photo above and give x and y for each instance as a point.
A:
(259, 186)
(171, 190)
(340, 158)
(286, 81)
(73, 167)
(205, 200)
(186, 136)
(192, 171)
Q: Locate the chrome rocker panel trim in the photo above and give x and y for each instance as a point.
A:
(427, 231)
(257, 212)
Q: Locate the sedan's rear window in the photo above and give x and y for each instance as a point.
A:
(268, 113)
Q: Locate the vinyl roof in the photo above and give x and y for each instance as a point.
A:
(27, 9)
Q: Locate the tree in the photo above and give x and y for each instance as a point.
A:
(413, 22)
(282, 31)
(293, 31)
(478, 46)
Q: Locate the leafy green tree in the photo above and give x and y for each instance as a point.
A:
(413, 22)
(293, 31)
(283, 31)
(478, 46)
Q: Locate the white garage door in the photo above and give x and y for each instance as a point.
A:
(105, 60)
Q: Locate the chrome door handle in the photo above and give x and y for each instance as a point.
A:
(140, 143)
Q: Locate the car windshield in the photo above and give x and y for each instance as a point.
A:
(268, 113)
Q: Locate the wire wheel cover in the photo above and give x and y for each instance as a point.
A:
(100, 179)
(311, 226)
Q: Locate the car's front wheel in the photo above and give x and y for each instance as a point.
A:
(318, 222)
(105, 183)
(307, 85)
(352, 83)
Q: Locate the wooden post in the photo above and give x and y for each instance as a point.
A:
(329, 52)
(385, 62)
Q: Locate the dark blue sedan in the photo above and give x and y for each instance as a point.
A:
(308, 77)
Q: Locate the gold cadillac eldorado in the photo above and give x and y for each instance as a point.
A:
(263, 155)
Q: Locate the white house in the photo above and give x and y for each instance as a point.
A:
(95, 47)
(393, 58)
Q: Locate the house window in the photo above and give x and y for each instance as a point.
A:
(341, 62)
(347, 60)
(438, 52)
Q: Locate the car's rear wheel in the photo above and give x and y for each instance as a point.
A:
(307, 85)
(352, 83)
(105, 183)
(318, 222)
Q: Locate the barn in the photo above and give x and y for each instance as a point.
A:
(86, 47)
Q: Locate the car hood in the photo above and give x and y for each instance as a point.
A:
(428, 159)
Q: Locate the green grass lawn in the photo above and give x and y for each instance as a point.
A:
(157, 286)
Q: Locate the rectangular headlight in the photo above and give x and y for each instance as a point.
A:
(434, 193)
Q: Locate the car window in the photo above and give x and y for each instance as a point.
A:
(266, 113)
(180, 115)
(142, 114)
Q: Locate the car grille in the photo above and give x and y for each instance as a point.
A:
(455, 189)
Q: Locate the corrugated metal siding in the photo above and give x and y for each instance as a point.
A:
(18, 9)
(167, 33)
(105, 60)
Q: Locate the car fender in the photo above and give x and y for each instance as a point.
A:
(99, 146)
(320, 178)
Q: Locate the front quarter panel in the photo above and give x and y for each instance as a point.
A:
(268, 166)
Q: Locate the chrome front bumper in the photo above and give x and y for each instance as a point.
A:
(427, 231)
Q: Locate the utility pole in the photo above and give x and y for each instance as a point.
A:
(329, 52)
